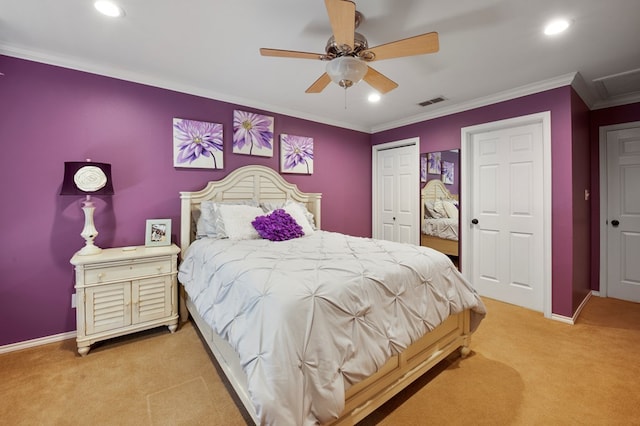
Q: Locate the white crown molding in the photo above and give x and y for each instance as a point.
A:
(529, 89)
(148, 80)
(574, 79)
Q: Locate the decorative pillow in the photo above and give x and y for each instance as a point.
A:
(450, 209)
(237, 219)
(427, 212)
(298, 213)
(436, 213)
(269, 206)
(277, 226)
(210, 224)
(438, 208)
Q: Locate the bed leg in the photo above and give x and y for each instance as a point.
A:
(464, 351)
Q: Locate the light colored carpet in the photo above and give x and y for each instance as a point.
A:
(523, 370)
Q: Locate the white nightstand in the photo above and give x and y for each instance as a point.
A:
(123, 290)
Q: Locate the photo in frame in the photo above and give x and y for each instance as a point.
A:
(296, 154)
(423, 168)
(252, 134)
(158, 232)
(197, 144)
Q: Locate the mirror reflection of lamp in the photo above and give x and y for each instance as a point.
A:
(87, 178)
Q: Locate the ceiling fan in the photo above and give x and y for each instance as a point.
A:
(347, 52)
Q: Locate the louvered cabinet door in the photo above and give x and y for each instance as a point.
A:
(107, 307)
(152, 299)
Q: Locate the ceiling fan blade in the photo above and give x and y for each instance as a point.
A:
(418, 45)
(320, 84)
(342, 15)
(289, 54)
(379, 82)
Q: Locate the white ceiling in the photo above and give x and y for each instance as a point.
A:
(490, 50)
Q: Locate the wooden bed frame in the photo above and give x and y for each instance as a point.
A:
(433, 190)
(263, 184)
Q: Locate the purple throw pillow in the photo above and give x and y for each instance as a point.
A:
(277, 226)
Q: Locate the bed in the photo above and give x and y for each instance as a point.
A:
(439, 229)
(320, 392)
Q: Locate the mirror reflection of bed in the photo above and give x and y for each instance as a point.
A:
(439, 218)
(439, 202)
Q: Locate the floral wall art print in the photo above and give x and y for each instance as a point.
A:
(252, 134)
(447, 172)
(197, 144)
(433, 162)
(296, 154)
(423, 168)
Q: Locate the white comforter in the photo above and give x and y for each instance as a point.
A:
(445, 228)
(310, 317)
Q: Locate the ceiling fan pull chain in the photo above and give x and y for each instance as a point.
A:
(345, 97)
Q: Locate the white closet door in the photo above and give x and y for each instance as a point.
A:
(623, 221)
(397, 195)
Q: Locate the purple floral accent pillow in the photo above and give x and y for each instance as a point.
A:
(277, 226)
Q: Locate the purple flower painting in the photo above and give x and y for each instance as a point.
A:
(252, 134)
(423, 168)
(433, 162)
(447, 173)
(197, 144)
(296, 154)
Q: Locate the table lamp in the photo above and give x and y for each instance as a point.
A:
(87, 178)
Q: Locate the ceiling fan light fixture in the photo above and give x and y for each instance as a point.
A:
(346, 71)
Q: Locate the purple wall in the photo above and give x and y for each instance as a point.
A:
(49, 115)
(581, 178)
(443, 133)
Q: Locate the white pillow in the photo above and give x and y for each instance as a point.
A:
(269, 206)
(237, 221)
(210, 224)
(451, 209)
(298, 213)
(438, 211)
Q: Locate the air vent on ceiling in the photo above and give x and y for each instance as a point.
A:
(433, 101)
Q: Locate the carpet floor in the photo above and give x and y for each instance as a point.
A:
(523, 370)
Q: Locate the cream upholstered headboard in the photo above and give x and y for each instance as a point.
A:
(434, 190)
(257, 183)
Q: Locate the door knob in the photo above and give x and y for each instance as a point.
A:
(615, 223)
(474, 221)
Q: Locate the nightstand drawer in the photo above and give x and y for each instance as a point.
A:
(126, 271)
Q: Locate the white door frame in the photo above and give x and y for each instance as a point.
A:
(415, 203)
(466, 175)
(604, 194)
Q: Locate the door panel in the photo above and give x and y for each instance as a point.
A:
(507, 241)
(623, 239)
(398, 184)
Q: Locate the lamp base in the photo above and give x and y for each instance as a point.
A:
(89, 232)
(89, 250)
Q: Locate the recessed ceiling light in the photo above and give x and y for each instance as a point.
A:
(108, 8)
(374, 97)
(556, 26)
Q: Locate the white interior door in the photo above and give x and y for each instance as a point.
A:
(396, 194)
(505, 232)
(623, 218)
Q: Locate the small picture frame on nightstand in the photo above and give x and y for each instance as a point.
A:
(158, 232)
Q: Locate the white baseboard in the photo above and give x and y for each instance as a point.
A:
(572, 320)
(37, 342)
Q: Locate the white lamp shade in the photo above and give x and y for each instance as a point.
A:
(346, 70)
